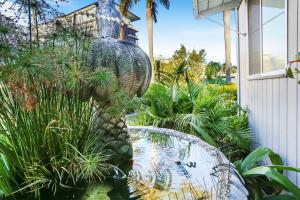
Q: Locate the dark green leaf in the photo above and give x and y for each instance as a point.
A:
(289, 73)
(275, 176)
(280, 167)
(275, 158)
(255, 156)
(205, 136)
(280, 197)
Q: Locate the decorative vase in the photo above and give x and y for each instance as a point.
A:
(129, 64)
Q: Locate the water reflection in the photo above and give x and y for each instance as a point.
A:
(166, 167)
(163, 168)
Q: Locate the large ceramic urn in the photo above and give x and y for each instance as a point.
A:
(129, 64)
(128, 61)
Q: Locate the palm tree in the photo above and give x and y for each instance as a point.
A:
(227, 44)
(151, 15)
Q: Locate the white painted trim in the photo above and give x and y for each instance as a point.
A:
(268, 75)
(238, 52)
(275, 73)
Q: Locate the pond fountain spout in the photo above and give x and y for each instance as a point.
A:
(130, 65)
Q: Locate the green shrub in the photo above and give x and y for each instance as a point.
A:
(46, 113)
(207, 111)
(266, 182)
(46, 140)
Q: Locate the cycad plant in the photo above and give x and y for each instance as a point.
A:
(207, 111)
(214, 117)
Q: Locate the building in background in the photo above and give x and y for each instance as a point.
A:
(84, 20)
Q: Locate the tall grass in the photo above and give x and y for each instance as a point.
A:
(46, 140)
(46, 114)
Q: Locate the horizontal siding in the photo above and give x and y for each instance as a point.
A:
(273, 104)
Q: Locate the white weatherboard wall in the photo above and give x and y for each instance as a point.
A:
(273, 102)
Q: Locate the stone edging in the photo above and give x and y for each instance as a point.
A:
(231, 185)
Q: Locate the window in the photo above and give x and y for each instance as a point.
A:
(267, 35)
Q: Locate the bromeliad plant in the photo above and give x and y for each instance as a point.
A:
(266, 182)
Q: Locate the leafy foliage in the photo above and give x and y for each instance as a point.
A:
(204, 110)
(47, 140)
(289, 72)
(195, 63)
(153, 5)
(46, 113)
(212, 70)
(266, 182)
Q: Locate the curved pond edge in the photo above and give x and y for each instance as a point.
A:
(230, 183)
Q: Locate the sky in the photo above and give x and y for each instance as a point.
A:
(176, 26)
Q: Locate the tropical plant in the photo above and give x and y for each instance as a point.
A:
(207, 111)
(151, 14)
(46, 136)
(266, 182)
(46, 140)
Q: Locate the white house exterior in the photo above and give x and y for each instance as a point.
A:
(273, 100)
(269, 37)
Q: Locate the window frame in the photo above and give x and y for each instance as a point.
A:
(279, 73)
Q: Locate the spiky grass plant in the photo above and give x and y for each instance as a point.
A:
(46, 113)
(46, 141)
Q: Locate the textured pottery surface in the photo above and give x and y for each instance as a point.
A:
(114, 136)
(129, 63)
(132, 68)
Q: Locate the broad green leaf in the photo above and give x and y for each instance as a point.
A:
(280, 197)
(275, 158)
(275, 176)
(255, 156)
(280, 167)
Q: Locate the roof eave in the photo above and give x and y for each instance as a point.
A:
(211, 11)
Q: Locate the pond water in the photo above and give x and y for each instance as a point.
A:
(167, 167)
(164, 167)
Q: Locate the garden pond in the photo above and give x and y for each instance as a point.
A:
(166, 165)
